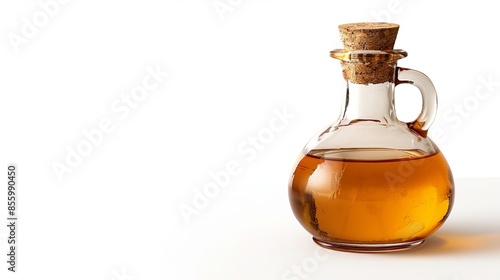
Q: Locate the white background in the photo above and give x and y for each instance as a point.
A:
(116, 214)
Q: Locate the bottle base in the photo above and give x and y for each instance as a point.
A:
(370, 248)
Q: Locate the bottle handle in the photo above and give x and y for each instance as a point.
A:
(429, 98)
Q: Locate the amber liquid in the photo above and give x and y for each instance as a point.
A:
(370, 201)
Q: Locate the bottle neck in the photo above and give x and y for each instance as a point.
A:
(372, 102)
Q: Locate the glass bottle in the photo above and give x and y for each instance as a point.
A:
(369, 182)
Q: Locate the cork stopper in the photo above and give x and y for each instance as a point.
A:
(368, 36)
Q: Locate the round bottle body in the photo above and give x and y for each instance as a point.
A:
(349, 200)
